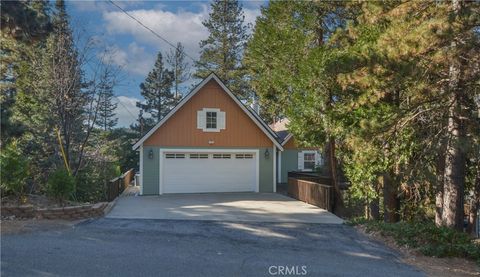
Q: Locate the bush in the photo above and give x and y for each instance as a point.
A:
(427, 238)
(14, 170)
(61, 185)
(91, 181)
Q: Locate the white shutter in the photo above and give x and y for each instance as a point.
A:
(201, 120)
(300, 161)
(318, 159)
(221, 120)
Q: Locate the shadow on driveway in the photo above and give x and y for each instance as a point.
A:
(120, 247)
(237, 207)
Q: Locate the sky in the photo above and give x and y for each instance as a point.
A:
(133, 48)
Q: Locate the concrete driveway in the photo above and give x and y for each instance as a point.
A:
(235, 207)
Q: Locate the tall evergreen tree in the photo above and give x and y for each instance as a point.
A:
(25, 25)
(222, 51)
(106, 111)
(180, 67)
(288, 58)
(52, 97)
(156, 89)
(383, 87)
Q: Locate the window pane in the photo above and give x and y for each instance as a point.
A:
(309, 157)
(309, 165)
(211, 120)
(309, 161)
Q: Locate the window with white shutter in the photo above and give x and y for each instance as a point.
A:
(309, 160)
(210, 120)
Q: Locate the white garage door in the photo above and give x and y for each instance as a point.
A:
(208, 172)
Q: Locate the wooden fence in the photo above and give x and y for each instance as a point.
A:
(312, 191)
(116, 186)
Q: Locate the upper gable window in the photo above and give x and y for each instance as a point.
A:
(211, 120)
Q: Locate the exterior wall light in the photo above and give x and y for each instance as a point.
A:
(150, 154)
(267, 154)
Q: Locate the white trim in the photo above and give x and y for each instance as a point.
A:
(286, 139)
(190, 95)
(307, 152)
(141, 169)
(213, 130)
(160, 172)
(217, 150)
(274, 169)
(280, 166)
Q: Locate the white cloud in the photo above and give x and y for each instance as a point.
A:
(251, 15)
(127, 111)
(134, 59)
(183, 26)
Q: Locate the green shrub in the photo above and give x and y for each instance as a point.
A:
(427, 238)
(92, 179)
(61, 185)
(14, 170)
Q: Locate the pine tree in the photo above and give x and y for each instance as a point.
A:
(52, 97)
(288, 59)
(106, 111)
(25, 25)
(156, 89)
(222, 51)
(180, 68)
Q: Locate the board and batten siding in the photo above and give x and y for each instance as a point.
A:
(151, 167)
(180, 130)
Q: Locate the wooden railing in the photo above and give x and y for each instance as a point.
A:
(311, 191)
(116, 186)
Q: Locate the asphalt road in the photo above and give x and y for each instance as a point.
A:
(126, 247)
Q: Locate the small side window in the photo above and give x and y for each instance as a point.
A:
(309, 161)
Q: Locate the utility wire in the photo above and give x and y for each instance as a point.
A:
(119, 101)
(158, 36)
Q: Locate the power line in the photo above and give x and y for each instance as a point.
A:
(157, 35)
(119, 101)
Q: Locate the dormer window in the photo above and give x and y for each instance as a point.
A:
(211, 120)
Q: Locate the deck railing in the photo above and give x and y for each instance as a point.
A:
(314, 190)
(116, 186)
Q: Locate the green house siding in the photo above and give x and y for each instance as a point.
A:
(289, 163)
(150, 171)
(151, 168)
(266, 170)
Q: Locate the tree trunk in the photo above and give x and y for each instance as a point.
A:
(439, 185)
(454, 176)
(338, 200)
(391, 204)
(474, 206)
(375, 203)
(374, 209)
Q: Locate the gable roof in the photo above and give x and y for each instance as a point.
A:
(253, 116)
(287, 137)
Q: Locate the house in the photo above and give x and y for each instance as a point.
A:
(212, 142)
(294, 157)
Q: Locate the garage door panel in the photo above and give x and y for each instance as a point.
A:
(190, 175)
